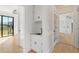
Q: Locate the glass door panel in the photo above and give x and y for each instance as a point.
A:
(5, 26)
(0, 26)
(10, 25)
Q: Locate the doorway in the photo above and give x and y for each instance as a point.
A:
(66, 42)
(66, 28)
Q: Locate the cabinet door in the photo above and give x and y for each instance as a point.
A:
(37, 13)
(36, 44)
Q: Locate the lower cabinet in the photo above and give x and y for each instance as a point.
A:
(36, 44)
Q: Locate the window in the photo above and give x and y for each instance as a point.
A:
(11, 27)
(6, 26)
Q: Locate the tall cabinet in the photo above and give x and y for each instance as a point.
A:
(42, 35)
(25, 21)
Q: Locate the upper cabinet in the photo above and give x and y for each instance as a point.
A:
(37, 13)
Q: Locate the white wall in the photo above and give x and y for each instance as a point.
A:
(21, 26)
(26, 18)
(8, 8)
(48, 28)
(76, 27)
(28, 25)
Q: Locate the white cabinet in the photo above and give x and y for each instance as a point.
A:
(37, 13)
(36, 43)
(43, 43)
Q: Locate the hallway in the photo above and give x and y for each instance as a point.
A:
(65, 45)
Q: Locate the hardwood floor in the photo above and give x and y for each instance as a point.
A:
(65, 44)
(16, 48)
(10, 46)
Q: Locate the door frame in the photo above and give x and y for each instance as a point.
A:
(57, 14)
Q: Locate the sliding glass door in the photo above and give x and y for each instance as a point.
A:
(6, 26)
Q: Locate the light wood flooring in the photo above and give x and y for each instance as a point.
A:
(66, 44)
(10, 46)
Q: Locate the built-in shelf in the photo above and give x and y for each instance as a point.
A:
(37, 28)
